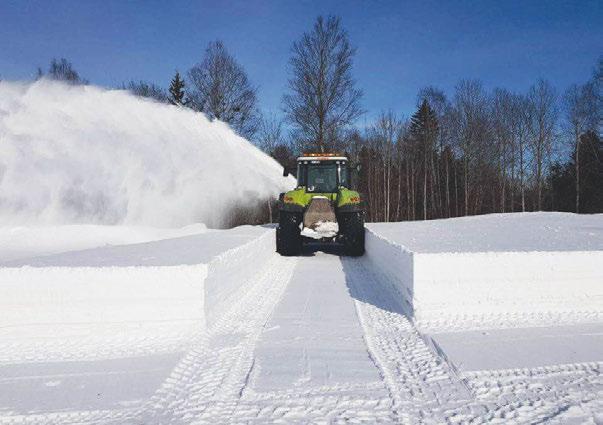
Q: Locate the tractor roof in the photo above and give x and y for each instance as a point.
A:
(322, 157)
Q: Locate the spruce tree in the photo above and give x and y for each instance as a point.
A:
(423, 130)
(177, 90)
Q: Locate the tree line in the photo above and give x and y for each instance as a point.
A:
(472, 151)
(479, 152)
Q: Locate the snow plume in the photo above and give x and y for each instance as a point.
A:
(82, 154)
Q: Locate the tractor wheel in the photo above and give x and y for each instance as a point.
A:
(352, 233)
(288, 237)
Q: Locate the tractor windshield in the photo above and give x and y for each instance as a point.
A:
(322, 178)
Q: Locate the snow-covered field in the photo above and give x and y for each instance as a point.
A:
(118, 307)
(214, 327)
(26, 242)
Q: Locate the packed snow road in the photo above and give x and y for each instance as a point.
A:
(319, 338)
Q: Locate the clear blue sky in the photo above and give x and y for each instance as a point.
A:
(402, 46)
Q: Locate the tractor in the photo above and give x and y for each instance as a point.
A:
(322, 208)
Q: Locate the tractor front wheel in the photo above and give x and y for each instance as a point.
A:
(288, 237)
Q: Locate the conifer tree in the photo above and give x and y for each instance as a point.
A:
(423, 130)
(177, 90)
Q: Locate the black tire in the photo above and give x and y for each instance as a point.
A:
(351, 226)
(288, 237)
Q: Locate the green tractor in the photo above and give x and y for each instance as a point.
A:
(322, 207)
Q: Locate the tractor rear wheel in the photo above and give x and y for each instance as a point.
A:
(288, 237)
(352, 233)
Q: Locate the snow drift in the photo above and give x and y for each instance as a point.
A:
(82, 154)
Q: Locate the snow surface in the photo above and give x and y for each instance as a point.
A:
(184, 250)
(25, 242)
(86, 155)
(522, 347)
(218, 328)
(539, 231)
(313, 338)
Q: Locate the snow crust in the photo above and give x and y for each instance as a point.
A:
(514, 232)
(86, 155)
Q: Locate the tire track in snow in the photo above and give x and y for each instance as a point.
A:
(425, 389)
(464, 322)
(569, 393)
(324, 334)
(207, 384)
(418, 379)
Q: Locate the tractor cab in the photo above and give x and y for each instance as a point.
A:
(323, 207)
(322, 174)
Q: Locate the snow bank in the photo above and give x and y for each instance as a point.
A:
(516, 232)
(167, 289)
(68, 295)
(82, 154)
(506, 282)
(532, 265)
(230, 271)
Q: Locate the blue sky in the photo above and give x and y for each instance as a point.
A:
(402, 46)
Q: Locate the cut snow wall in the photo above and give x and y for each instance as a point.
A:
(506, 282)
(181, 294)
(230, 271)
(395, 262)
(437, 285)
(46, 295)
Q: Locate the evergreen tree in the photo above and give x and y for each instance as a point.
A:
(563, 176)
(423, 131)
(591, 190)
(177, 90)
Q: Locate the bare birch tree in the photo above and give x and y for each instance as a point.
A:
(222, 90)
(270, 133)
(386, 133)
(471, 125)
(542, 101)
(323, 98)
(579, 105)
(63, 70)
